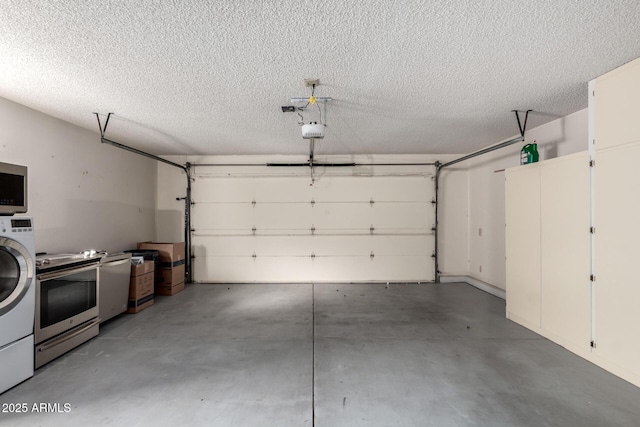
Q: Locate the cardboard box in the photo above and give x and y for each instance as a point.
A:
(171, 276)
(171, 254)
(141, 287)
(169, 290)
(144, 268)
(137, 306)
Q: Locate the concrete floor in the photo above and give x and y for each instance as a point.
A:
(346, 355)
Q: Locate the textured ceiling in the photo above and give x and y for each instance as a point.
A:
(196, 77)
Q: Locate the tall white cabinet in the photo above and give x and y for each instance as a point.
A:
(572, 240)
(615, 104)
(548, 249)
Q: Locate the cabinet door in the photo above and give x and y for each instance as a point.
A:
(566, 250)
(617, 254)
(616, 102)
(522, 215)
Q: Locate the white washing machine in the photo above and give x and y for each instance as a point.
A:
(17, 300)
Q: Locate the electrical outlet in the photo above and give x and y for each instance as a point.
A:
(311, 82)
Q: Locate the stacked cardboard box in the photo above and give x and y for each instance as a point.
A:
(141, 289)
(172, 266)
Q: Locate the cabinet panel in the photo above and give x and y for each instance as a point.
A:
(617, 294)
(565, 250)
(522, 216)
(616, 103)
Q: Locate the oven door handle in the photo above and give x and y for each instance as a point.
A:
(66, 272)
(68, 336)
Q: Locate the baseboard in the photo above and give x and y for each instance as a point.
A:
(483, 286)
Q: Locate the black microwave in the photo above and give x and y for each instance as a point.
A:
(13, 189)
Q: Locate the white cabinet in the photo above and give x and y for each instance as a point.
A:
(615, 128)
(617, 256)
(522, 244)
(615, 104)
(565, 243)
(548, 249)
(596, 319)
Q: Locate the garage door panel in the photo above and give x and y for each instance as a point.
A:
(228, 190)
(283, 189)
(336, 216)
(379, 245)
(377, 269)
(250, 270)
(396, 216)
(217, 246)
(282, 216)
(403, 215)
(380, 189)
(284, 220)
(247, 246)
(222, 269)
(219, 216)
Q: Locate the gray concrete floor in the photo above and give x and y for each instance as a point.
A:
(344, 355)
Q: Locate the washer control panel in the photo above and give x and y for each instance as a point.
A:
(16, 225)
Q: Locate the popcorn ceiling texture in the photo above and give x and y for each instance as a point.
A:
(423, 77)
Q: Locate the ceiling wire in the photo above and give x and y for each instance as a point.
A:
(313, 91)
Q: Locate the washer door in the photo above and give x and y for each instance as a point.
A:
(16, 273)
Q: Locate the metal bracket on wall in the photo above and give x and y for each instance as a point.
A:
(253, 230)
(313, 203)
(371, 229)
(106, 123)
(372, 256)
(522, 127)
(313, 229)
(371, 202)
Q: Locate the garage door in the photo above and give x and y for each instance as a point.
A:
(276, 225)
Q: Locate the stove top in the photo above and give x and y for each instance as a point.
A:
(51, 262)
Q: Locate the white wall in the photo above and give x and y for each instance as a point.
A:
(486, 252)
(82, 194)
(453, 216)
(172, 184)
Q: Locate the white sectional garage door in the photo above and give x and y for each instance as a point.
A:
(351, 225)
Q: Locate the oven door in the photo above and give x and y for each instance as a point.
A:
(64, 300)
(16, 272)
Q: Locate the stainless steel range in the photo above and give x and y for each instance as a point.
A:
(66, 303)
